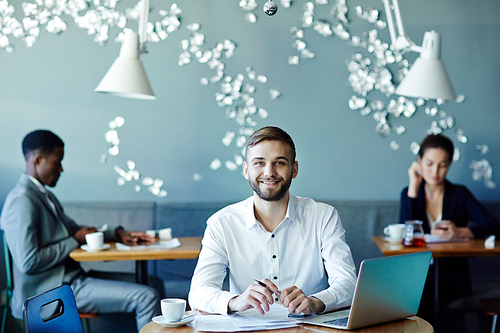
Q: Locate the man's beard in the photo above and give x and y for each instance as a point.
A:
(275, 196)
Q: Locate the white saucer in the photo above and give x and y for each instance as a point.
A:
(160, 320)
(393, 240)
(85, 247)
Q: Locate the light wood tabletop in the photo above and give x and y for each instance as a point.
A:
(410, 325)
(189, 249)
(471, 248)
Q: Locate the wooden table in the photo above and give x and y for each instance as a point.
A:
(189, 249)
(471, 248)
(410, 325)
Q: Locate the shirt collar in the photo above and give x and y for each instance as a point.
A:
(38, 184)
(251, 221)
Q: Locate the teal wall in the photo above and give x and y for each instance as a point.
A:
(340, 154)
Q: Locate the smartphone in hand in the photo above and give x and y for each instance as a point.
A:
(443, 225)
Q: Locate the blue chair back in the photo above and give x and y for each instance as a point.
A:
(63, 318)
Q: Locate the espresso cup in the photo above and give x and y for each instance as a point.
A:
(173, 309)
(396, 231)
(95, 240)
(151, 233)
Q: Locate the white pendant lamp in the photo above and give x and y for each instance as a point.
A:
(427, 77)
(127, 77)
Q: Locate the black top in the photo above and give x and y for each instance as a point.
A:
(459, 206)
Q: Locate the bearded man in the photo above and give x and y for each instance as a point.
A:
(295, 247)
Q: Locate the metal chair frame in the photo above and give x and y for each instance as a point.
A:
(492, 307)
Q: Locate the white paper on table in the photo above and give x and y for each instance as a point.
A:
(429, 238)
(249, 320)
(159, 245)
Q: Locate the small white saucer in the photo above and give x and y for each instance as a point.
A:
(393, 240)
(160, 320)
(85, 247)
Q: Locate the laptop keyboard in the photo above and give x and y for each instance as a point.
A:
(342, 322)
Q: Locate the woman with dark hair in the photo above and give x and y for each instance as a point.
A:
(431, 198)
(446, 210)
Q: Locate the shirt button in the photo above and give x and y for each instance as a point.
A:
(272, 236)
(276, 299)
(276, 278)
(274, 256)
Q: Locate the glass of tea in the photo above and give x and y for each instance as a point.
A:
(414, 235)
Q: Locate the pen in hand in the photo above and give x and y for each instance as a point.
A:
(267, 287)
(291, 315)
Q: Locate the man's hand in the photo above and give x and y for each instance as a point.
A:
(134, 237)
(255, 296)
(80, 234)
(297, 302)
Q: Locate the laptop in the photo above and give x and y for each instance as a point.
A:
(388, 289)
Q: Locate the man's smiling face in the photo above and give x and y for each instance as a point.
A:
(270, 168)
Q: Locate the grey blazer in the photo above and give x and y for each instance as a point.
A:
(40, 241)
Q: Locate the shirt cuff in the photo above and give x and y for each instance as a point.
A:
(223, 302)
(327, 299)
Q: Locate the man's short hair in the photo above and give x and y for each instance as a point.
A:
(270, 133)
(42, 140)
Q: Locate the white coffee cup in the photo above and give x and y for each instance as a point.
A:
(173, 309)
(165, 234)
(396, 231)
(151, 233)
(95, 240)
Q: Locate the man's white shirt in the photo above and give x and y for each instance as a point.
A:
(307, 249)
(42, 189)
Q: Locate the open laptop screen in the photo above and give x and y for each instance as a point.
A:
(388, 289)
